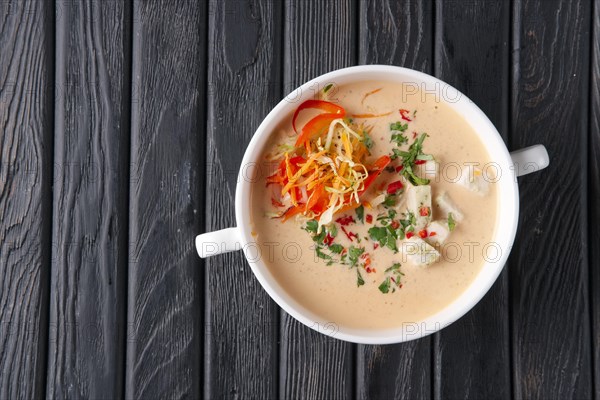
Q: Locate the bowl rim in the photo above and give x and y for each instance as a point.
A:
(506, 219)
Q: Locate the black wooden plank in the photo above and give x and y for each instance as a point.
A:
(472, 356)
(89, 240)
(26, 95)
(319, 37)
(167, 154)
(548, 269)
(396, 33)
(245, 83)
(594, 196)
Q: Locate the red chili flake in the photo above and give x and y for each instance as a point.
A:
(368, 270)
(394, 187)
(420, 162)
(409, 235)
(349, 235)
(415, 134)
(432, 234)
(395, 224)
(375, 246)
(344, 221)
(423, 234)
(369, 218)
(328, 240)
(404, 113)
(276, 203)
(399, 168)
(424, 211)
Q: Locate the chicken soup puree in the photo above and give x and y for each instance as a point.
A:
(375, 207)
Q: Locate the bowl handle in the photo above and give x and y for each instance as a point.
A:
(212, 243)
(530, 159)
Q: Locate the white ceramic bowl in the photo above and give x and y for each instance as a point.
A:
(511, 165)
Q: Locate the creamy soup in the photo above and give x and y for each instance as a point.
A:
(380, 245)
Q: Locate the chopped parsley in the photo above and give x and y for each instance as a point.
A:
(451, 222)
(414, 153)
(368, 142)
(327, 87)
(395, 277)
(359, 279)
(353, 254)
(398, 126)
(385, 285)
(390, 201)
(336, 248)
(312, 226)
(360, 213)
(398, 129)
(386, 236)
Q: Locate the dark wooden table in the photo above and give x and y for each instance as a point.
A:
(122, 129)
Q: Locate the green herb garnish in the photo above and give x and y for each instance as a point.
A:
(451, 222)
(390, 201)
(398, 126)
(414, 153)
(360, 213)
(385, 285)
(353, 254)
(312, 226)
(359, 279)
(368, 142)
(396, 279)
(384, 236)
(336, 248)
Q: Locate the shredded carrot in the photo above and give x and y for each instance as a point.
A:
(327, 170)
(368, 94)
(371, 115)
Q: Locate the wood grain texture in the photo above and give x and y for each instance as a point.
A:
(26, 95)
(244, 84)
(166, 190)
(594, 196)
(548, 273)
(89, 235)
(396, 33)
(472, 356)
(319, 37)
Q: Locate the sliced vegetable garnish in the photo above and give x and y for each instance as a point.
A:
(327, 171)
(322, 105)
(368, 115)
(451, 222)
(405, 113)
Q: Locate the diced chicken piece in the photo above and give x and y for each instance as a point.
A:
(428, 170)
(416, 251)
(473, 180)
(418, 201)
(445, 203)
(438, 232)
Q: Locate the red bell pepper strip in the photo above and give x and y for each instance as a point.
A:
(394, 187)
(320, 105)
(404, 113)
(291, 212)
(314, 197)
(378, 167)
(316, 126)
